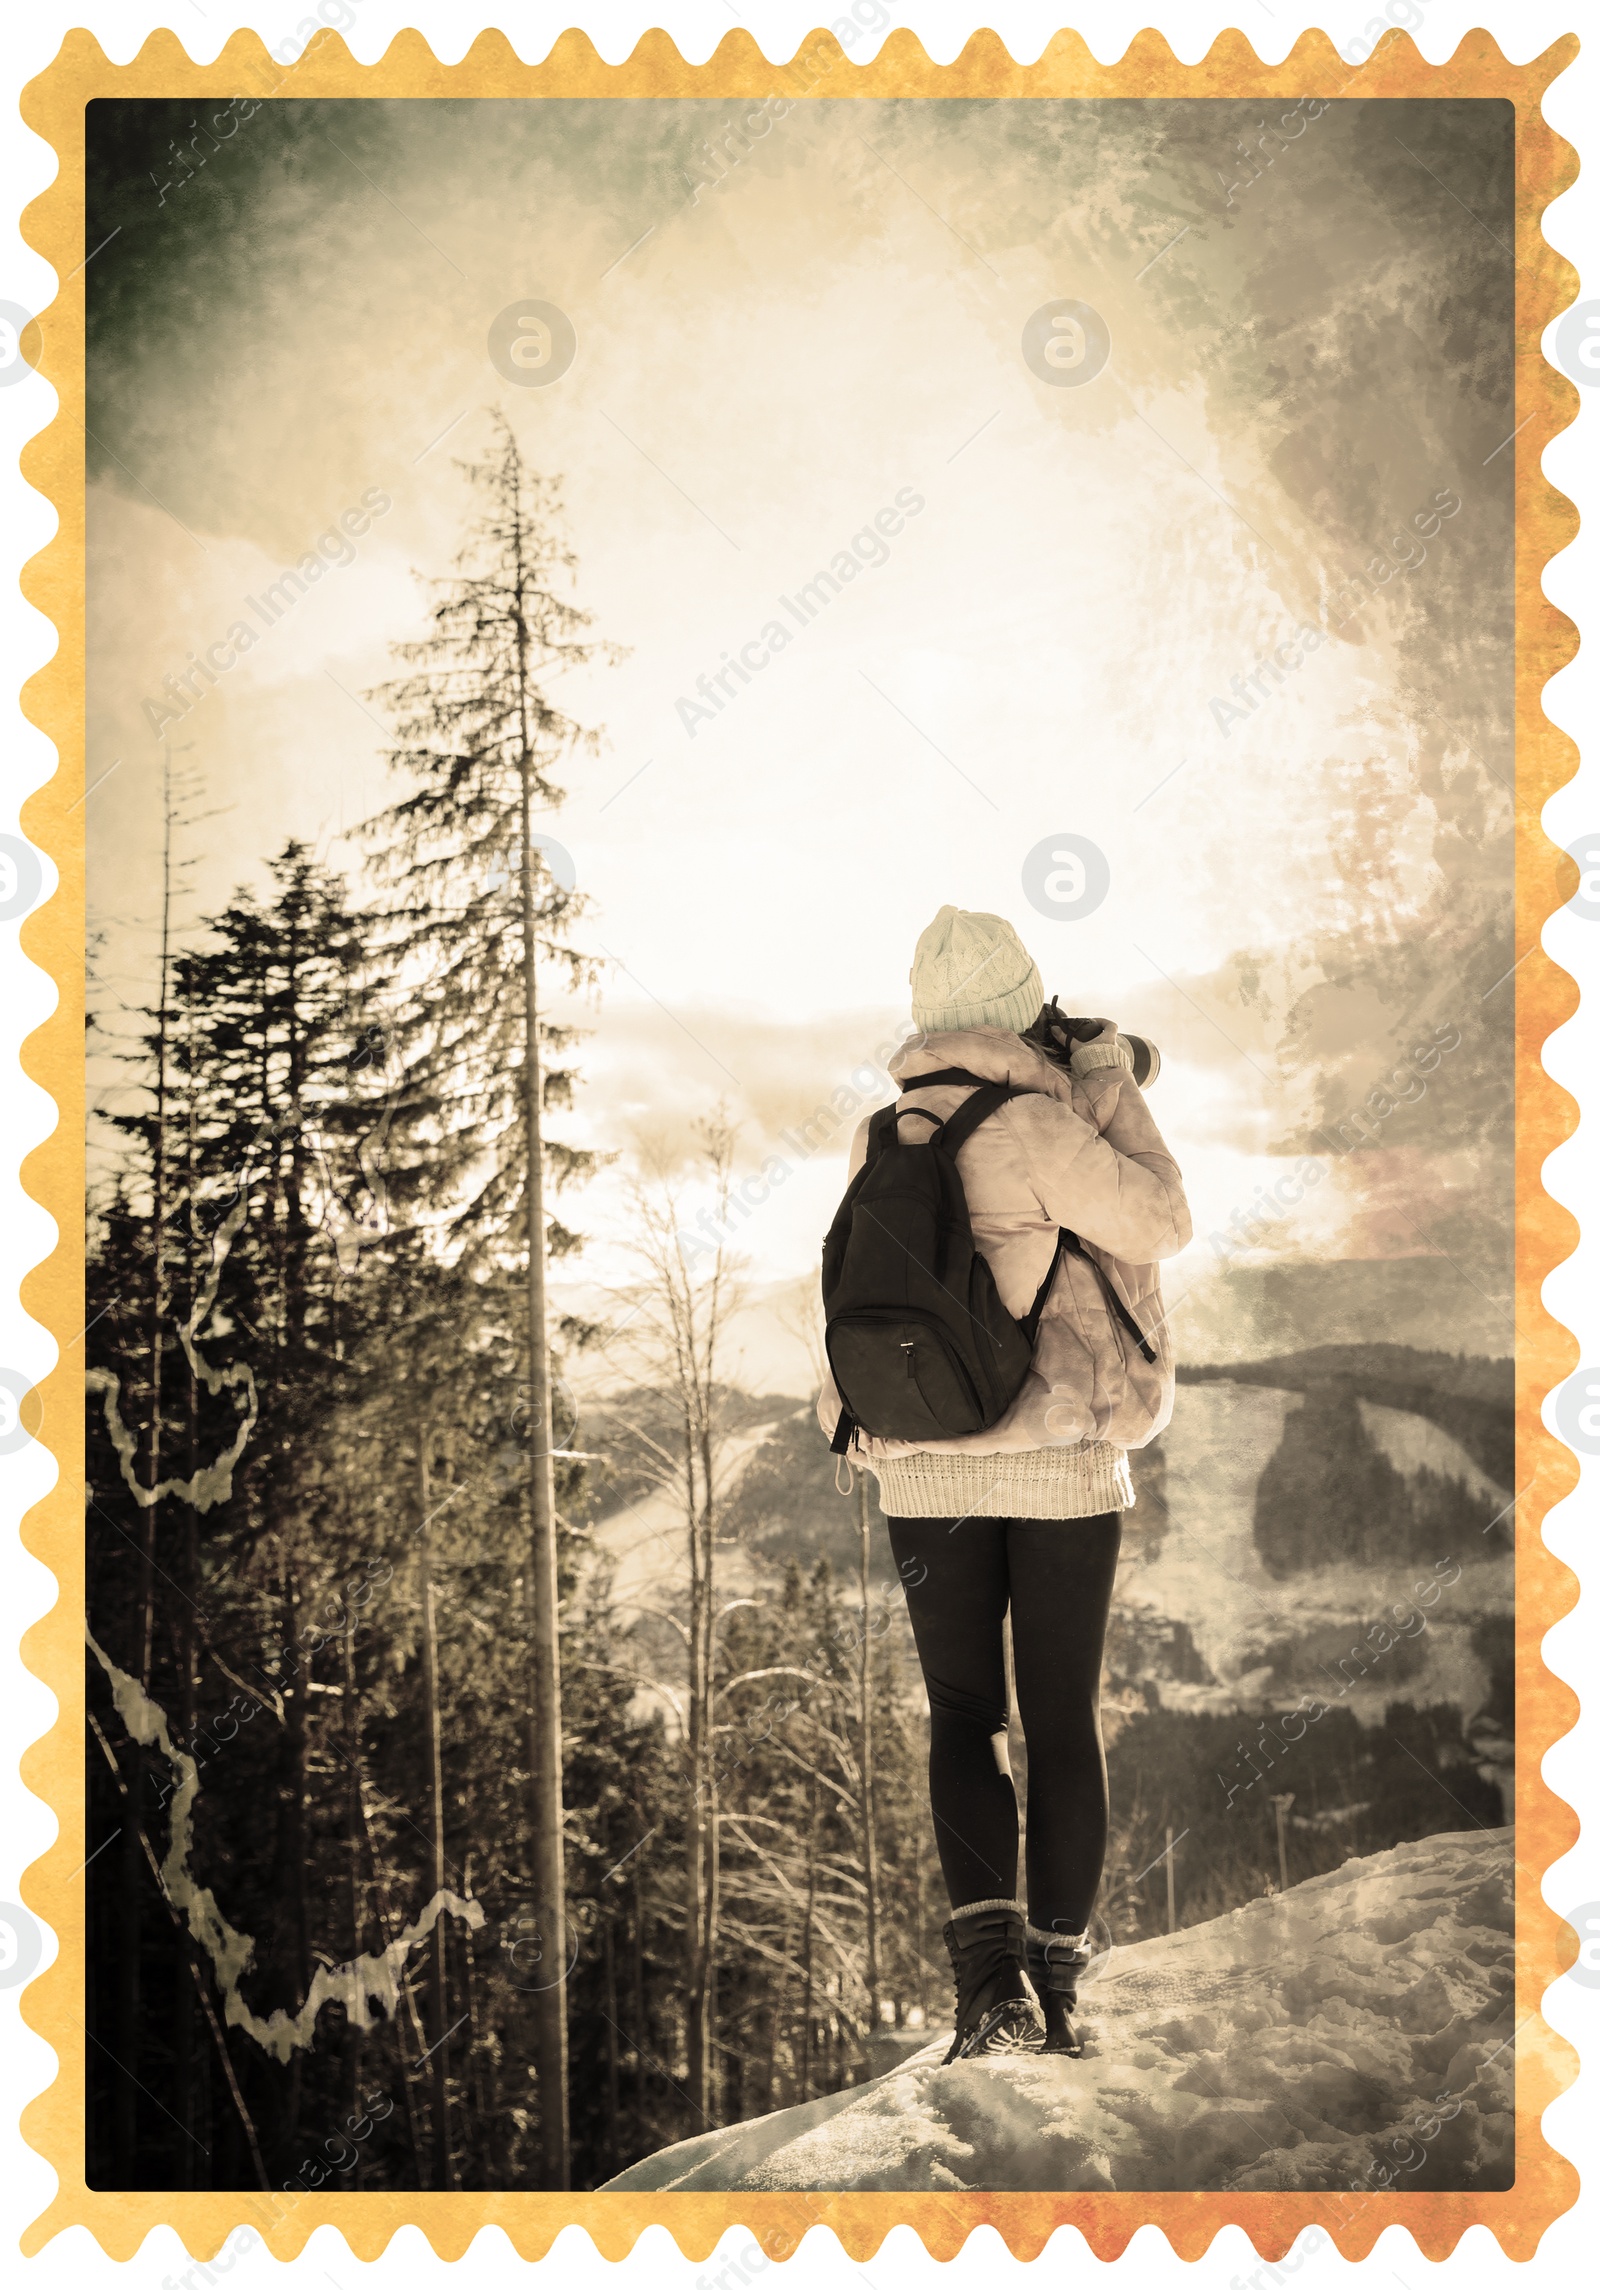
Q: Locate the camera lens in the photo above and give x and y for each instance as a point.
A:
(1146, 1059)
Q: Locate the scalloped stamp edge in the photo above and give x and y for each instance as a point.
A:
(1545, 2183)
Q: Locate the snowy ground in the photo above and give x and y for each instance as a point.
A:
(1360, 2023)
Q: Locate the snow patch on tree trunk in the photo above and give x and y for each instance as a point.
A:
(366, 1985)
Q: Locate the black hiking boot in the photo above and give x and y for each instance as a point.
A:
(1055, 1967)
(994, 2012)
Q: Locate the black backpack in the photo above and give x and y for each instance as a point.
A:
(920, 1345)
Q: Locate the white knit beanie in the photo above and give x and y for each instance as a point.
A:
(973, 970)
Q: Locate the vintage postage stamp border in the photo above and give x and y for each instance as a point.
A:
(54, 106)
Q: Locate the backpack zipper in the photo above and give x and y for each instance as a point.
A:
(986, 1416)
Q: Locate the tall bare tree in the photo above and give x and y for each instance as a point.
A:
(679, 1310)
(477, 902)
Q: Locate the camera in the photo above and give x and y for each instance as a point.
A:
(1054, 1032)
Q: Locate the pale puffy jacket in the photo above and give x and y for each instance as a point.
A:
(1080, 1151)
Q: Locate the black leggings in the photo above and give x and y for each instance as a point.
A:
(1056, 1575)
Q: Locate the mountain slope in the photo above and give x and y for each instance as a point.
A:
(1360, 2022)
(1471, 1400)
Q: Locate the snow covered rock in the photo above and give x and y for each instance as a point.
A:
(1358, 2024)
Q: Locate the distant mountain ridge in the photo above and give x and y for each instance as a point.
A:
(1471, 1398)
(1290, 1504)
(1464, 1375)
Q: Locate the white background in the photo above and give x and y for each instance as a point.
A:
(27, 1115)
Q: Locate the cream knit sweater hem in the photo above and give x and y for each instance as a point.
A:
(1081, 1482)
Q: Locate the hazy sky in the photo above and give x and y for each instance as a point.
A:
(1304, 357)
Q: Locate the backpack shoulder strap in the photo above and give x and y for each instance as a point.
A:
(1068, 1243)
(987, 1098)
(882, 1129)
(948, 1076)
(1030, 1326)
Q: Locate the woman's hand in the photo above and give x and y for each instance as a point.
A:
(1107, 1048)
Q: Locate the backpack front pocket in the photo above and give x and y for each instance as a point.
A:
(900, 1379)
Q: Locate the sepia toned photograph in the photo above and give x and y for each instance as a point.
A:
(800, 1328)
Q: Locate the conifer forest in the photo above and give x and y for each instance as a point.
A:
(417, 1857)
(405, 1882)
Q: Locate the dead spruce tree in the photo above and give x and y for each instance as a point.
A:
(474, 906)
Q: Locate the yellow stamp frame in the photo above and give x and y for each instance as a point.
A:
(1545, 2182)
